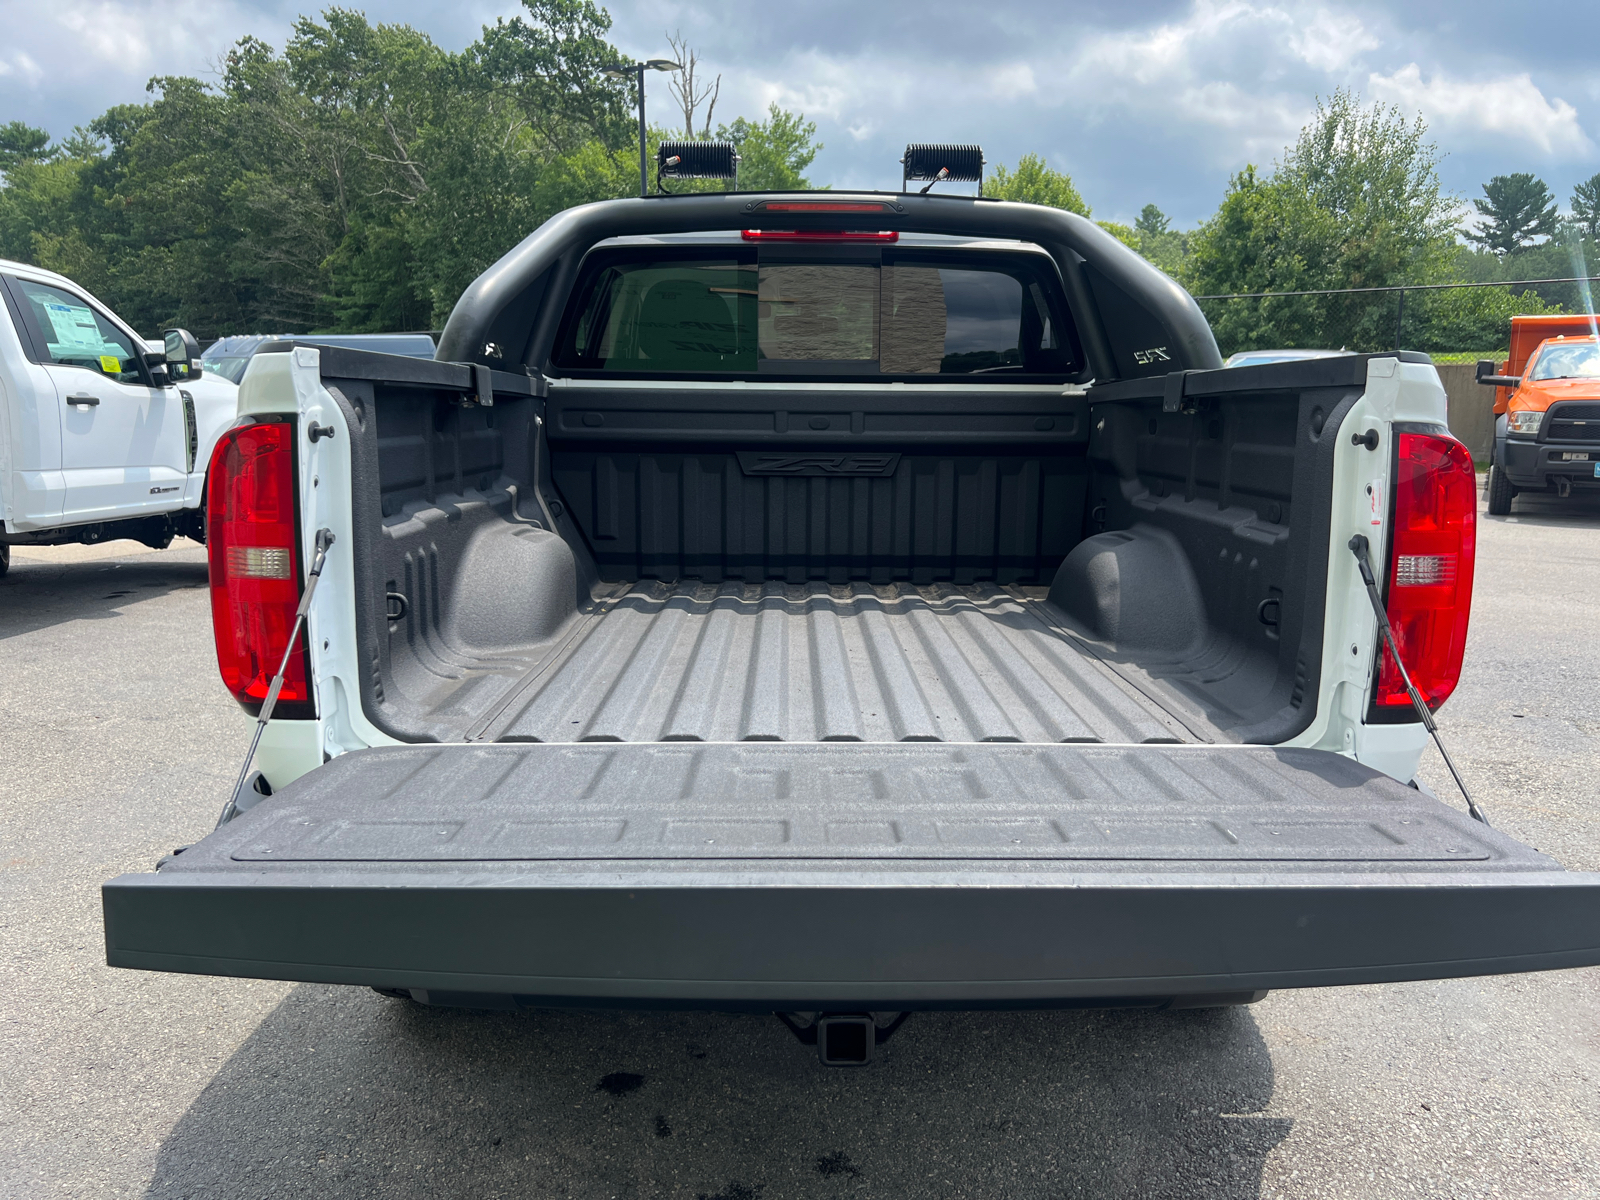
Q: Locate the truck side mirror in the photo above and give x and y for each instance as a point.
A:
(183, 354)
(1488, 378)
(155, 362)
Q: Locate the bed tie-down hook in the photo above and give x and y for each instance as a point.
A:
(1359, 546)
(319, 558)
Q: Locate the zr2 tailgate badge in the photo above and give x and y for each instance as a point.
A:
(759, 463)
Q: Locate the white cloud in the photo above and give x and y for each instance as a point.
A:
(822, 86)
(1511, 106)
(112, 33)
(22, 65)
(1219, 67)
(1014, 80)
(1221, 36)
(1150, 57)
(1333, 41)
(75, 58)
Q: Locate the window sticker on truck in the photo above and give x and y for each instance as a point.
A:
(74, 326)
(1153, 355)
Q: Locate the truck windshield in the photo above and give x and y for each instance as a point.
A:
(1580, 361)
(736, 315)
(230, 368)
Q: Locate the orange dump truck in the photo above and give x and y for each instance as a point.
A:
(1547, 409)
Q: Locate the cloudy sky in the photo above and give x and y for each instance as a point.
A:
(1156, 101)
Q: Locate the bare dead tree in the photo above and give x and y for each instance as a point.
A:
(688, 89)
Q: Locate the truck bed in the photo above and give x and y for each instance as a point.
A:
(642, 564)
(814, 663)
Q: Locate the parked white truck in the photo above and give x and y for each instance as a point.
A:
(98, 438)
(841, 605)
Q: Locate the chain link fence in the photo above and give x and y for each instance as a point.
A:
(1448, 320)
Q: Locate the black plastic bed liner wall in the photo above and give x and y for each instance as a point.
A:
(852, 663)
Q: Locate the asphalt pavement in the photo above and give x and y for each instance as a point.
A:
(117, 744)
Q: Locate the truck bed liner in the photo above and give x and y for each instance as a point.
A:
(884, 876)
(770, 662)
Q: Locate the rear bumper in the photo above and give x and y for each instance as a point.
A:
(989, 939)
(845, 876)
(1534, 466)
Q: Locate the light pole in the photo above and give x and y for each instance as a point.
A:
(638, 70)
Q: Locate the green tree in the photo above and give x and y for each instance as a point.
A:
(1159, 242)
(1559, 258)
(21, 143)
(1152, 222)
(1126, 234)
(1586, 206)
(1517, 210)
(357, 180)
(773, 154)
(553, 62)
(1035, 183)
(1456, 319)
(589, 173)
(1355, 202)
(40, 190)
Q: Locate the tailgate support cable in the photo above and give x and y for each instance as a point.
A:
(1358, 546)
(323, 541)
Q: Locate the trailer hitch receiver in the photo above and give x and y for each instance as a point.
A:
(843, 1039)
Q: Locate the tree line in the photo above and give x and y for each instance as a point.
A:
(361, 177)
(356, 181)
(1357, 202)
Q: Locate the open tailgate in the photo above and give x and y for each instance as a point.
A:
(889, 876)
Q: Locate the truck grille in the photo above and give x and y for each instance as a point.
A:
(1573, 422)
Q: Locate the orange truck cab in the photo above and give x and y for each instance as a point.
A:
(1547, 409)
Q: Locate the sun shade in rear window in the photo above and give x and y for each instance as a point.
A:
(914, 314)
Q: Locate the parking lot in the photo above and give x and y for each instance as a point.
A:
(117, 744)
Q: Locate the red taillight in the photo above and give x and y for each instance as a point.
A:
(1430, 568)
(254, 556)
(820, 235)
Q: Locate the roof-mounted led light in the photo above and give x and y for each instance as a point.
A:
(938, 163)
(696, 160)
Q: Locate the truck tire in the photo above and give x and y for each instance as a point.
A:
(5, 558)
(1500, 492)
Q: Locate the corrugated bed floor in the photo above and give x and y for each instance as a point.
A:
(796, 664)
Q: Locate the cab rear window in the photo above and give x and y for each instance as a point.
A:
(908, 315)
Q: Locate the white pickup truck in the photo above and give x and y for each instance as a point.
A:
(841, 605)
(98, 438)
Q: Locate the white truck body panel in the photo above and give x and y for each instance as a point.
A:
(65, 464)
(1396, 391)
(31, 486)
